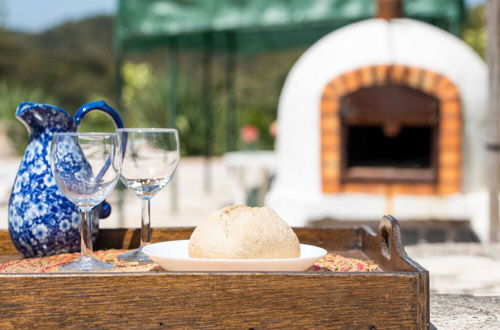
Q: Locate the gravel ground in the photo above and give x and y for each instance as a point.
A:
(184, 202)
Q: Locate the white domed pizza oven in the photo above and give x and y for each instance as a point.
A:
(383, 116)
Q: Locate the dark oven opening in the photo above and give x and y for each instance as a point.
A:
(389, 133)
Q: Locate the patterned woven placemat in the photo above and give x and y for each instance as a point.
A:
(337, 263)
(330, 262)
(51, 264)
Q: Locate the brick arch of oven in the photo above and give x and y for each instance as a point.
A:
(449, 140)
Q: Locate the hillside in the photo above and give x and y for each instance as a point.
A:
(71, 62)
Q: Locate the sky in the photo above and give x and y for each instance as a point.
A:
(38, 15)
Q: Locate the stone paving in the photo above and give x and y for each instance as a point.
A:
(460, 268)
(456, 312)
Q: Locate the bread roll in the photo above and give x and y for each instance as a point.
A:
(242, 232)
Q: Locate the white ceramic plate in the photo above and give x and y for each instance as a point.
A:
(173, 255)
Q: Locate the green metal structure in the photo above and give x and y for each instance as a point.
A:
(237, 27)
(250, 26)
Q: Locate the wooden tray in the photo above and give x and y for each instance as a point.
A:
(397, 297)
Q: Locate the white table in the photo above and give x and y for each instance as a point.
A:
(249, 170)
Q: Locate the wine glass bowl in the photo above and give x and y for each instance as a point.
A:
(150, 159)
(86, 168)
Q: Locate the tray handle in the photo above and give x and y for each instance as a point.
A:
(391, 244)
(389, 236)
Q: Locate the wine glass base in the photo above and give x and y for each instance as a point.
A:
(135, 255)
(86, 264)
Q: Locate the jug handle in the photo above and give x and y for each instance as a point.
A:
(97, 105)
(105, 210)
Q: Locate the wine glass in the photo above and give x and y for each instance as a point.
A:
(86, 168)
(150, 159)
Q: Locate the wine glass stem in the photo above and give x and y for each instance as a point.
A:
(86, 234)
(146, 222)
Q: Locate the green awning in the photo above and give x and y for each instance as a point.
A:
(252, 26)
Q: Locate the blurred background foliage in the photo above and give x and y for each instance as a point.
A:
(475, 30)
(10, 95)
(146, 98)
(74, 63)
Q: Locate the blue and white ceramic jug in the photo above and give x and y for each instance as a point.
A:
(41, 220)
